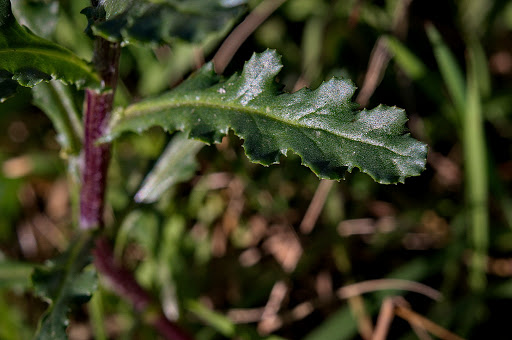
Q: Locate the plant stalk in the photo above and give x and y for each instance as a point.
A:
(98, 106)
(124, 284)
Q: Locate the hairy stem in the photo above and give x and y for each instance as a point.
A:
(97, 113)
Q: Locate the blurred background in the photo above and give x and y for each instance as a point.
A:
(249, 252)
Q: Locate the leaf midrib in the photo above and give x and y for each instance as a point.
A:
(152, 108)
(69, 59)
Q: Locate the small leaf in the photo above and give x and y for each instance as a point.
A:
(158, 22)
(57, 101)
(39, 15)
(64, 282)
(321, 126)
(31, 59)
(176, 164)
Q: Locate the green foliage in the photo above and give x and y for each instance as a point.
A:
(15, 274)
(340, 325)
(451, 72)
(29, 59)
(321, 126)
(38, 15)
(176, 164)
(64, 282)
(205, 232)
(7, 85)
(160, 22)
(57, 101)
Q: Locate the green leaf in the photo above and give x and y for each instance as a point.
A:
(31, 59)
(449, 68)
(176, 164)
(414, 68)
(477, 178)
(7, 85)
(64, 282)
(340, 325)
(163, 21)
(321, 126)
(57, 101)
(38, 15)
(214, 319)
(15, 274)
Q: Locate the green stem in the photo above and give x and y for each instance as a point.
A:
(476, 176)
(96, 311)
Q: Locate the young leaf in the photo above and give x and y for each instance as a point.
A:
(31, 59)
(57, 101)
(321, 125)
(39, 15)
(64, 282)
(176, 164)
(163, 21)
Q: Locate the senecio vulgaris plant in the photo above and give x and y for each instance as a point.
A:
(322, 126)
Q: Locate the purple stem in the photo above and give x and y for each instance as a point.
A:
(125, 285)
(96, 159)
(98, 106)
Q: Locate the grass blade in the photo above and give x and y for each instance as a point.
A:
(475, 156)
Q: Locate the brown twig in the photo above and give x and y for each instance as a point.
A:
(316, 206)
(380, 56)
(269, 314)
(416, 319)
(386, 315)
(378, 63)
(364, 321)
(233, 42)
(387, 284)
(352, 291)
(398, 306)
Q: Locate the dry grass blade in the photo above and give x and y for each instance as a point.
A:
(364, 321)
(315, 207)
(233, 42)
(385, 318)
(387, 284)
(378, 63)
(381, 56)
(418, 320)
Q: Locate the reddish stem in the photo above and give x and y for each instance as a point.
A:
(96, 159)
(97, 115)
(125, 285)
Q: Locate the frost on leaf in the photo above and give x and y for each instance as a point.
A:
(322, 126)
